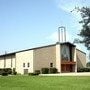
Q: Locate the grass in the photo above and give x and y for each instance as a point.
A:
(44, 83)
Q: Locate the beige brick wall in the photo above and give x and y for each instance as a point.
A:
(58, 57)
(74, 54)
(8, 60)
(1, 62)
(24, 57)
(13, 62)
(44, 56)
(81, 59)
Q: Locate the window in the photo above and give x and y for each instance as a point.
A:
(23, 64)
(28, 64)
(51, 64)
(65, 53)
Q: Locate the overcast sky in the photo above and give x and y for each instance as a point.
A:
(30, 23)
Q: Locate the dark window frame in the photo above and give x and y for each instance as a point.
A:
(28, 64)
(23, 64)
(51, 64)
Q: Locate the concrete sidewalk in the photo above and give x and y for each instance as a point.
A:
(68, 74)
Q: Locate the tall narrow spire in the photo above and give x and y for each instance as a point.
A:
(61, 34)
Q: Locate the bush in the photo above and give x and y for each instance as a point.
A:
(52, 70)
(1, 71)
(37, 72)
(45, 70)
(5, 70)
(4, 74)
(14, 71)
(32, 74)
(8, 70)
(88, 64)
(83, 70)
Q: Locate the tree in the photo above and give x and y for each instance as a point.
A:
(88, 64)
(85, 31)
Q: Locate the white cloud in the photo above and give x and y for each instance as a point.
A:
(69, 5)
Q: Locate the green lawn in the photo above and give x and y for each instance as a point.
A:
(44, 83)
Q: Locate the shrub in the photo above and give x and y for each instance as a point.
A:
(52, 70)
(32, 74)
(79, 70)
(5, 70)
(8, 70)
(37, 72)
(45, 70)
(4, 74)
(1, 71)
(83, 70)
(88, 64)
(14, 71)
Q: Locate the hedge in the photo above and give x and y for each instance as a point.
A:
(5, 71)
(37, 72)
(52, 70)
(48, 70)
(45, 70)
(83, 70)
(14, 71)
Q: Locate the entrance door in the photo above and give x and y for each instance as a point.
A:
(66, 68)
(69, 68)
(25, 71)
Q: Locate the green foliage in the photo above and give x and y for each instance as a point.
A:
(53, 70)
(14, 71)
(32, 74)
(88, 64)
(5, 71)
(48, 70)
(45, 70)
(8, 70)
(83, 70)
(44, 83)
(37, 72)
(1, 71)
(85, 31)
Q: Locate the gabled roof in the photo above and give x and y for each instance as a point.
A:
(68, 43)
(81, 51)
(8, 54)
(13, 53)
